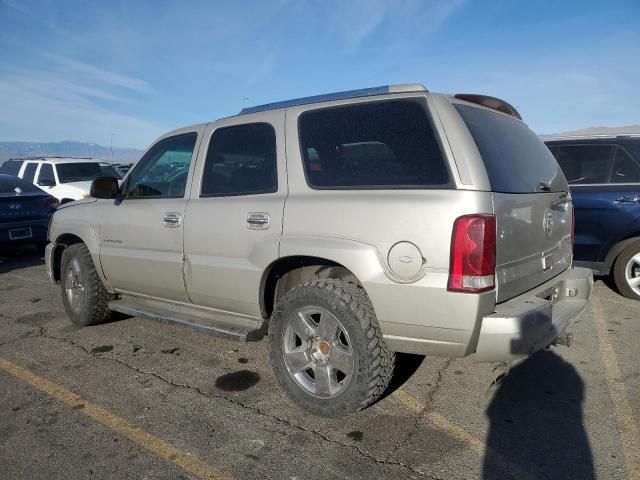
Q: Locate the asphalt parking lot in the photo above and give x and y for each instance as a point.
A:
(139, 399)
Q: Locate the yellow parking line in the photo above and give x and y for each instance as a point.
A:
(153, 444)
(621, 406)
(461, 435)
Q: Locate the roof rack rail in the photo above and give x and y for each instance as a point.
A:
(363, 92)
(490, 102)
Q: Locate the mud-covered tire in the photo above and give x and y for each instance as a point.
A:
(373, 362)
(78, 274)
(624, 270)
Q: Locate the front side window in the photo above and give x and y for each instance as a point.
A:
(163, 171)
(389, 144)
(30, 171)
(84, 171)
(45, 177)
(241, 160)
(584, 164)
(625, 168)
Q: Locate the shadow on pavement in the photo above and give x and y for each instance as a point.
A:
(19, 257)
(406, 365)
(536, 422)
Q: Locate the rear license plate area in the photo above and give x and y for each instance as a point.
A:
(20, 233)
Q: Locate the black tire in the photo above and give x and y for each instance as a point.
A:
(620, 273)
(93, 299)
(373, 362)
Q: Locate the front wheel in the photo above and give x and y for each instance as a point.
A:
(327, 349)
(626, 271)
(84, 297)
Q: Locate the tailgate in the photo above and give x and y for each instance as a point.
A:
(533, 240)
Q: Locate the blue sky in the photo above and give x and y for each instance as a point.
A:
(87, 70)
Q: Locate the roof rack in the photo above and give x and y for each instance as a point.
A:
(363, 92)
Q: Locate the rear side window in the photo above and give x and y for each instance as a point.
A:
(388, 144)
(241, 160)
(625, 168)
(584, 164)
(46, 174)
(11, 167)
(30, 172)
(515, 158)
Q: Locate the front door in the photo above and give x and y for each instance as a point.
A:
(141, 235)
(233, 221)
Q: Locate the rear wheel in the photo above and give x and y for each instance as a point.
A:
(327, 349)
(84, 297)
(626, 271)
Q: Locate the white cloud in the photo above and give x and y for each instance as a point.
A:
(358, 20)
(95, 74)
(53, 110)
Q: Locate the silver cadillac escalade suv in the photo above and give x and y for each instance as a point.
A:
(345, 227)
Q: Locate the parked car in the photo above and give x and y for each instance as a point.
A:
(350, 226)
(121, 168)
(603, 172)
(24, 212)
(67, 179)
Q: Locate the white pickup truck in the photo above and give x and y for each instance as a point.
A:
(65, 178)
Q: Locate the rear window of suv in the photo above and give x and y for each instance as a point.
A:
(516, 160)
(378, 145)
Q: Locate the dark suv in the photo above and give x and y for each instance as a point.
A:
(604, 175)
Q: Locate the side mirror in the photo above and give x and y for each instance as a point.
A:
(47, 182)
(104, 187)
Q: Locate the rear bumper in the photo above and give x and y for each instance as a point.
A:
(530, 322)
(38, 231)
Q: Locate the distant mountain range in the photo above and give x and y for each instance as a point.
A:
(631, 129)
(67, 149)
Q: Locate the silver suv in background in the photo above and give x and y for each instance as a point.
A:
(347, 227)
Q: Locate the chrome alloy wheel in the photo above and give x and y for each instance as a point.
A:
(318, 352)
(74, 286)
(632, 273)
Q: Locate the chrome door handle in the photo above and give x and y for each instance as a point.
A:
(172, 219)
(258, 221)
(629, 199)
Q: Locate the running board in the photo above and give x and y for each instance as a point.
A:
(203, 320)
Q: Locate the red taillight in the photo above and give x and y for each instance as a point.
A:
(51, 202)
(473, 254)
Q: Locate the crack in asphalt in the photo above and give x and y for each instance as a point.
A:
(418, 416)
(22, 336)
(363, 453)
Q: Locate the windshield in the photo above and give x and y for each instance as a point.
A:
(84, 171)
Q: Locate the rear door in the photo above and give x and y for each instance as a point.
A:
(531, 200)
(233, 221)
